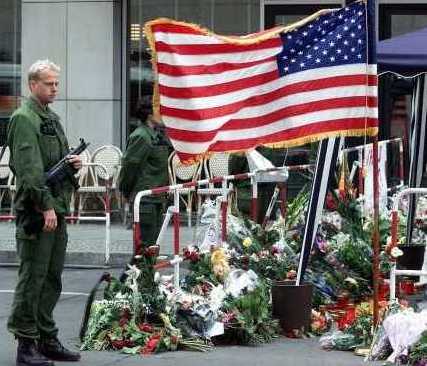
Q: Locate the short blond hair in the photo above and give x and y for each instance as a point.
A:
(39, 66)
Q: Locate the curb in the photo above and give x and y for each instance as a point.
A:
(9, 258)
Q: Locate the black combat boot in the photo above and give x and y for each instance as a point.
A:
(28, 355)
(53, 349)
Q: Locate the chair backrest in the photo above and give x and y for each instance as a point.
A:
(217, 165)
(4, 168)
(183, 173)
(109, 156)
(83, 173)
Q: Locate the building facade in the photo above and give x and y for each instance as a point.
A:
(100, 47)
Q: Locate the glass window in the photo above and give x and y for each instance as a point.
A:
(290, 13)
(10, 61)
(397, 19)
(222, 16)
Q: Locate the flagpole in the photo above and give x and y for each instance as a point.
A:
(375, 232)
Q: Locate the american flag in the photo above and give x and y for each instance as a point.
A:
(282, 87)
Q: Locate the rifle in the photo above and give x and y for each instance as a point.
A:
(33, 221)
(63, 170)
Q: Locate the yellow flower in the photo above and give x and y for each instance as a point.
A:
(218, 256)
(219, 262)
(247, 242)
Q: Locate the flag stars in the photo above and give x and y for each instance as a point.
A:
(352, 35)
(302, 64)
(345, 43)
(346, 57)
(318, 61)
(353, 20)
(346, 28)
(339, 51)
(305, 34)
(316, 48)
(309, 56)
(331, 44)
(300, 53)
(308, 46)
(286, 69)
(285, 57)
(353, 49)
(359, 41)
(289, 36)
(338, 36)
(360, 13)
(359, 27)
(332, 58)
(293, 60)
(340, 16)
(292, 50)
(359, 56)
(324, 52)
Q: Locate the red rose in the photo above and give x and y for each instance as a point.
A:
(331, 204)
(145, 327)
(151, 344)
(118, 344)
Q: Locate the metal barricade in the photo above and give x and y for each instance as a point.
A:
(394, 232)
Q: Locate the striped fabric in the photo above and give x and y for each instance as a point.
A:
(281, 87)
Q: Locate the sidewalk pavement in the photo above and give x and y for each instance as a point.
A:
(86, 243)
(69, 312)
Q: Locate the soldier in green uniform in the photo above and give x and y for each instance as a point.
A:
(144, 166)
(37, 142)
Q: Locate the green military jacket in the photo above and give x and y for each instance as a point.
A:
(37, 142)
(144, 163)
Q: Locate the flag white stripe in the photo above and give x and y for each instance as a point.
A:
(275, 127)
(186, 39)
(215, 58)
(275, 105)
(189, 81)
(243, 94)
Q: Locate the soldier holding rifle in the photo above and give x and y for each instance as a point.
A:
(37, 143)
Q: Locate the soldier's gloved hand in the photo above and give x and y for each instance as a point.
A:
(50, 220)
(75, 161)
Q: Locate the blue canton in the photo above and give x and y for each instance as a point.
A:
(334, 39)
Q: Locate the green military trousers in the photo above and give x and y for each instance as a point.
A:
(39, 283)
(150, 221)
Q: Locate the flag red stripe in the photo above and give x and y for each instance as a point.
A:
(208, 113)
(207, 49)
(223, 88)
(173, 70)
(244, 123)
(176, 28)
(288, 135)
(305, 131)
(218, 89)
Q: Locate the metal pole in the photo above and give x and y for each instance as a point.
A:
(254, 203)
(375, 234)
(224, 211)
(176, 222)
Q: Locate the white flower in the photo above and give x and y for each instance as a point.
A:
(396, 252)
